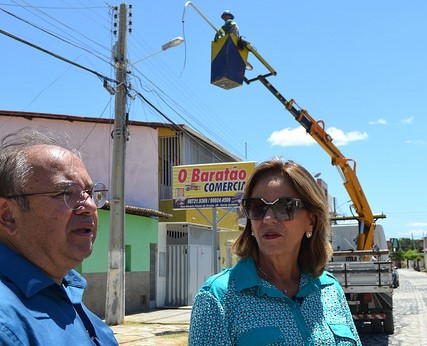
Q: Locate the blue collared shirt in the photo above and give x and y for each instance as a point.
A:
(35, 311)
(236, 307)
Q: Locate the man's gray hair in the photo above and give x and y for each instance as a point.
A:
(15, 171)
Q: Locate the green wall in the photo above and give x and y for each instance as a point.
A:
(141, 231)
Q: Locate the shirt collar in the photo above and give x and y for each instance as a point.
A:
(29, 278)
(247, 277)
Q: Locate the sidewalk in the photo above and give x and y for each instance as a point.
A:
(157, 327)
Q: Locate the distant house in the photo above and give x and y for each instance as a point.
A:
(168, 252)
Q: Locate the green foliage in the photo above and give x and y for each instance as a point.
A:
(411, 244)
(405, 244)
(397, 256)
(413, 255)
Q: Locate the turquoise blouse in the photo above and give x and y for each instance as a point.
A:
(237, 307)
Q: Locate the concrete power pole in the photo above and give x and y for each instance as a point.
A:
(115, 299)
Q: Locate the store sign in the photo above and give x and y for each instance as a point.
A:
(210, 185)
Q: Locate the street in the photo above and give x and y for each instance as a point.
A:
(410, 313)
(170, 326)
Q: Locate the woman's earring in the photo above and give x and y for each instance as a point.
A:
(253, 234)
(308, 234)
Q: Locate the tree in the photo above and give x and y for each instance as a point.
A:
(413, 255)
(405, 244)
(397, 257)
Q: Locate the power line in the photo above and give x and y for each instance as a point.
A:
(105, 78)
(176, 126)
(99, 75)
(55, 7)
(61, 23)
(54, 35)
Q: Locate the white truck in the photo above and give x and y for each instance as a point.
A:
(365, 276)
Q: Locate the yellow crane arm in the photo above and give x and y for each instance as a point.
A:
(348, 172)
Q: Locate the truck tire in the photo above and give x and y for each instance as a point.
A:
(389, 323)
(376, 326)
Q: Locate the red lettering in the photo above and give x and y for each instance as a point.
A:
(182, 175)
(195, 175)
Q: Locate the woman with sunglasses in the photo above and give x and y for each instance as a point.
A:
(278, 293)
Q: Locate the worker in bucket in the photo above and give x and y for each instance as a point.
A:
(229, 27)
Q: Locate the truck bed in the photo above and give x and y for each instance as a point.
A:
(363, 276)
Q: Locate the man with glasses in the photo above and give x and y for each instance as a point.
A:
(48, 224)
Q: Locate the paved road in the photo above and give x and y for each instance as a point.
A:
(166, 327)
(410, 313)
(161, 327)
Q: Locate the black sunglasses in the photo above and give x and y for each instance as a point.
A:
(284, 208)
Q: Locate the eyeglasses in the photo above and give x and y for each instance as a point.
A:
(75, 195)
(284, 209)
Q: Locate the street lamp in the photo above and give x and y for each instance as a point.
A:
(173, 43)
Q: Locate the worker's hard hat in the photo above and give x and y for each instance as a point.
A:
(227, 13)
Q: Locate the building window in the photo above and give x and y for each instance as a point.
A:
(170, 156)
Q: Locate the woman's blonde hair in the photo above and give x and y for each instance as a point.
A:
(316, 251)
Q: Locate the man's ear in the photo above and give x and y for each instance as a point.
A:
(7, 219)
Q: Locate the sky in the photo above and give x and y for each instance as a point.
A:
(360, 66)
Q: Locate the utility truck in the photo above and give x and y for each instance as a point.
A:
(361, 257)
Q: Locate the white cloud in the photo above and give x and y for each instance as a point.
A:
(407, 121)
(414, 229)
(418, 224)
(416, 233)
(415, 141)
(380, 121)
(289, 137)
(341, 138)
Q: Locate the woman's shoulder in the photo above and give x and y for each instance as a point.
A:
(217, 284)
(219, 280)
(220, 283)
(328, 278)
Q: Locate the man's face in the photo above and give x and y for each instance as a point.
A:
(52, 236)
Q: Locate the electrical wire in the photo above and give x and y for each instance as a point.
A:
(202, 126)
(186, 118)
(101, 76)
(61, 23)
(174, 125)
(54, 35)
(163, 97)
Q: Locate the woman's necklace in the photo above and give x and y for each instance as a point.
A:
(267, 278)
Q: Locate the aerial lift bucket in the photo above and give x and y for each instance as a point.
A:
(228, 62)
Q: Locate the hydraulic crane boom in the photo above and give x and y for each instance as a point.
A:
(348, 172)
(316, 129)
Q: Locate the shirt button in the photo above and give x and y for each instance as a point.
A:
(308, 339)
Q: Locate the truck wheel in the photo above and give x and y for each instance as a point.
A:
(376, 326)
(389, 323)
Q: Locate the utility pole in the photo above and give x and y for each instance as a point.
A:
(115, 298)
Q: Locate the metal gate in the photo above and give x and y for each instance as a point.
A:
(177, 276)
(189, 257)
(177, 264)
